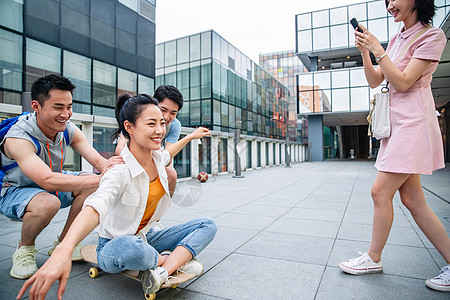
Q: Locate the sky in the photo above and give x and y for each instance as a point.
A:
(252, 26)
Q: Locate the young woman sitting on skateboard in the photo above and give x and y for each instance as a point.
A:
(129, 202)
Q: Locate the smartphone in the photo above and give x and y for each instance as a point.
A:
(355, 25)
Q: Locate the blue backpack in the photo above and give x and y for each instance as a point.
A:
(4, 128)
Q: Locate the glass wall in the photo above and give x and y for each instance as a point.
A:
(11, 12)
(223, 155)
(104, 87)
(249, 154)
(204, 152)
(10, 67)
(78, 69)
(222, 88)
(333, 91)
(182, 161)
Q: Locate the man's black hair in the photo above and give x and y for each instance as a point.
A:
(170, 92)
(42, 86)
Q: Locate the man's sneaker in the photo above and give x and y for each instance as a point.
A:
(24, 262)
(361, 265)
(193, 266)
(152, 280)
(440, 282)
(76, 255)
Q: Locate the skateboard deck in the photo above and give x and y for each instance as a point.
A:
(89, 254)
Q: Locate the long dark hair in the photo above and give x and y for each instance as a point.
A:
(425, 10)
(129, 108)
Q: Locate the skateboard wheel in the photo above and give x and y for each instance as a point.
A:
(150, 296)
(174, 286)
(93, 272)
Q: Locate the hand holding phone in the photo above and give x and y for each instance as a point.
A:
(355, 25)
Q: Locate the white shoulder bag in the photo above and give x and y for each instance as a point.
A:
(379, 117)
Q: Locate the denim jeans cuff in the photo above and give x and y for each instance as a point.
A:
(188, 248)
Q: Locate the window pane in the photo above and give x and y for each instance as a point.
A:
(224, 114)
(216, 80)
(146, 85)
(206, 80)
(11, 14)
(102, 141)
(195, 47)
(159, 55)
(216, 46)
(321, 38)
(206, 112)
(223, 52)
(183, 80)
(216, 112)
(182, 50)
(181, 162)
(170, 76)
(320, 18)
(195, 80)
(340, 100)
(127, 82)
(340, 79)
(206, 44)
(42, 60)
(305, 81)
(339, 36)
(204, 155)
(304, 21)
(357, 11)
(170, 53)
(10, 60)
(78, 69)
(357, 77)
(379, 29)
(194, 113)
(104, 83)
(222, 155)
(304, 41)
(103, 111)
(376, 9)
(338, 15)
(322, 80)
(360, 98)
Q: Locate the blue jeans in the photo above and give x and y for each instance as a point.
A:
(132, 253)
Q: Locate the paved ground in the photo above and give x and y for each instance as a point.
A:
(282, 232)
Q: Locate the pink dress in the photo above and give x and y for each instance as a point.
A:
(415, 145)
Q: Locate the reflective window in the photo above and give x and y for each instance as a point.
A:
(376, 9)
(206, 44)
(320, 18)
(194, 113)
(10, 60)
(379, 29)
(305, 81)
(132, 4)
(339, 79)
(182, 82)
(340, 100)
(357, 77)
(103, 111)
(170, 53)
(322, 101)
(146, 85)
(159, 55)
(183, 114)
(42, 60)
(101, 141)
(222, 154)
(224, 114)
(360, 98)
(204, 155)
(170, 77)
(182, 162)
(304, 41)
(216, 46)
(194, 47)
(358, 11)
(338, 15)
(11, 14)
(321, 38)
(104, 84)
(182, 50)
(339, 36)
(304, 21)
(78, 69)
(232, 116)
(216, 80)
(126, 82)
(194, 69)
(322, 80)
(206, 112)
(216, 112)
(223, 51)
(205, 79)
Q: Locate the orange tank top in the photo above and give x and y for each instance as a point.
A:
(155, 193)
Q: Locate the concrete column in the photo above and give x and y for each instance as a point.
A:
(254, 155)
(230, 155)
(88, 131)
(315, 133)
(214, 154)
(263, 154)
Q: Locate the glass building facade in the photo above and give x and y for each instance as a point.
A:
(285, 66)
(222, 88)
(103, 46)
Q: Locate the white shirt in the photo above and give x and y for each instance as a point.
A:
(122, 195)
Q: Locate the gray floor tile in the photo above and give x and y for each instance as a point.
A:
(248, 222)
(314, 214)
(305, 227)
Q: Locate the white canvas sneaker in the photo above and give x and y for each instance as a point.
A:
(440, 282)
(193, 266)
(24, 262)
(361, 265)
(76, 255)
(152, 280)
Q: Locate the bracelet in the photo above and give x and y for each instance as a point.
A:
(378, 58)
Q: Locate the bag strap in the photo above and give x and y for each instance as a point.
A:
(418, 35)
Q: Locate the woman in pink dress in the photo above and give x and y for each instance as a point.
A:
(415, 145)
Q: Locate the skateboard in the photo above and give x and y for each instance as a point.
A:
(89, 254)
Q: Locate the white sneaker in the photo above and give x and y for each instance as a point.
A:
(24, 262)
(440, 282)
(152, 280)
(361, 265)
(193, 266)
(76, 255)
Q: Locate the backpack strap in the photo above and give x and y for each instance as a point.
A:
(66, 136)
(13, 165)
